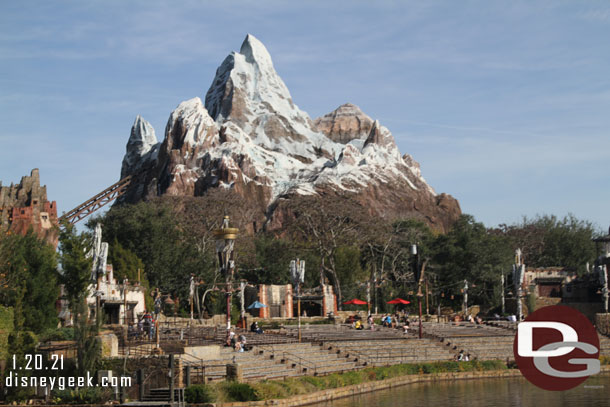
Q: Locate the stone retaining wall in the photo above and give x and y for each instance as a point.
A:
(602, 322)
(332, 394)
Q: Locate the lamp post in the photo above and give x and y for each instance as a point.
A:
(242, 288)
(297, 271)
(604, 275)
(465, 306)
(124, 302)
(518, 277)
(503, 302)
(225, 242)
(418, 277)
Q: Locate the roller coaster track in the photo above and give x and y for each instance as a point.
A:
(103, 198)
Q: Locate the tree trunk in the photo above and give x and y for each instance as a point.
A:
(332, 273)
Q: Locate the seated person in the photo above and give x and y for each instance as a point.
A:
(460, 357)
(243, 343)
(358, 325)
(255, 328)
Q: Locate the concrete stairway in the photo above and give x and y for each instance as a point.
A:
(308, 358)
(388, 352)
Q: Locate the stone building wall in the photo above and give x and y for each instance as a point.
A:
(25, 206)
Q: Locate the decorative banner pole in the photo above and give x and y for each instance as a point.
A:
(242, 288)
(297, 271)
(225, 242)
(192, 294)
(418, 277)
(503, 302)
(465, 306)
(605, 288)
(518, 278)
(124, 302)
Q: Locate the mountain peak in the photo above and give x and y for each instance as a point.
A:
(251, 138)
(248, 93)
(141, 144)
(345, 124)
(255, 52)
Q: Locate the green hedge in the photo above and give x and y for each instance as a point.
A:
(199, 393)
(58, 334)
(6, 327)
(85, 395)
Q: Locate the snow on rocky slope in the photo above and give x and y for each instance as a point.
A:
(251, 137)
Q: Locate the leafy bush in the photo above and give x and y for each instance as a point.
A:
(86, 395)
(58, 334)
(199, 393)
(241, 392)
(313, 380)
(270, 389)
(6, 327)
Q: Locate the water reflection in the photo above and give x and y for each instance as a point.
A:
(595, 392)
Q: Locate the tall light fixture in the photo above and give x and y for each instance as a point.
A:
(225, 242)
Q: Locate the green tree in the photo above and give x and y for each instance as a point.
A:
(75, 274)
(150, 231)
(28, 265)
(470, 252)
(350, 272)
(88, 345)
(126, 264)
(326, 226)
(549, 241)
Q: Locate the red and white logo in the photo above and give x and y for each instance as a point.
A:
(557, 348)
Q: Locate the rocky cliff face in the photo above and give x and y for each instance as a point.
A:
(24, 206)
(252, 138)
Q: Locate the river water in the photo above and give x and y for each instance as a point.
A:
(595, 392)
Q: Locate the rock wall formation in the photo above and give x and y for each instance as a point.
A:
(25, 206)
(249, 136)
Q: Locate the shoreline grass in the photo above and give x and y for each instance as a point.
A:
(281, 389)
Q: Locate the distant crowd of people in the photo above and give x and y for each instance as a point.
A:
(397, 321)
(145, 329)
(239, 342)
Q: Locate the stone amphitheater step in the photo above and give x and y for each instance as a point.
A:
(391, 352)
(604, 344)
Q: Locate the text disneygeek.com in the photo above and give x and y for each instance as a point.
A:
(61, 383)
(56, 363)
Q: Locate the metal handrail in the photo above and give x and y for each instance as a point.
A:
(301, 361)
(200, 365)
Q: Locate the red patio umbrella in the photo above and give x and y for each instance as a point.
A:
(355, 301)
(399, 301)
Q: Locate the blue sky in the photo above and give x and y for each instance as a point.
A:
(506, 105)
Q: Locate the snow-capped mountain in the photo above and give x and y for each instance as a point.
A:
(251, 137)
